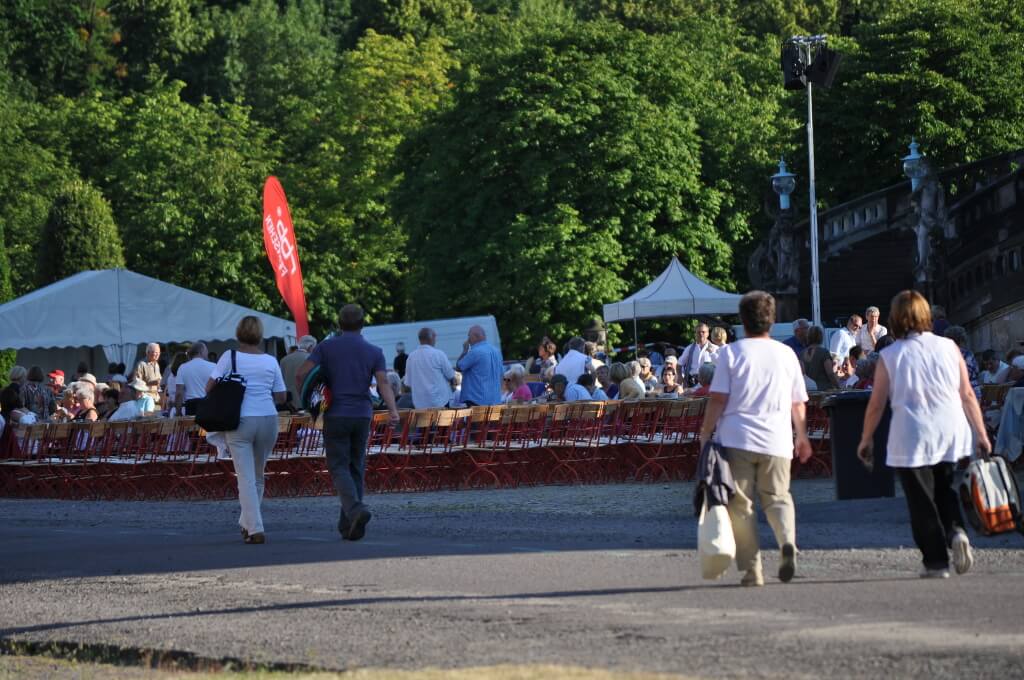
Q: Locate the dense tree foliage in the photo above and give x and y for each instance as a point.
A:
(530, 159)
(79, 234)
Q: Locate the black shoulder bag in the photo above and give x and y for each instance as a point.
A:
(221, 410)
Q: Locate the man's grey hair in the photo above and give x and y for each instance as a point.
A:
(872, 310)
(307, 343)
(634, 368)
(578, 344)
(426, 336)
(198, 349)
(152, 346)
(801, 323)
(706, 373)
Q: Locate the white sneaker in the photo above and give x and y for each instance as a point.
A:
(934, 573)
(963, 559)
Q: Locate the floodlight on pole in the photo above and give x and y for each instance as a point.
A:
(913, 165)
(807, 61)
(783, 183)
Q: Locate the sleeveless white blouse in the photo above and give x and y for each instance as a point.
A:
(928, 421)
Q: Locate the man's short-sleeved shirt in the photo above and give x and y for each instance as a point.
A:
(577, 392)
(842, 342)
(193, 376)
(482, 370)
(763, 380)
(349, 362)
(429, 373)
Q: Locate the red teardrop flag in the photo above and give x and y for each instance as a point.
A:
(279, 238)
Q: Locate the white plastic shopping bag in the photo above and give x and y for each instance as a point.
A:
(715, 543)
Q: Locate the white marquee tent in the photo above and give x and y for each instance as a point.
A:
(676, 292)
(117, 312)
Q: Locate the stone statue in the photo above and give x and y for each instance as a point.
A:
(929, 201)
(775, 263)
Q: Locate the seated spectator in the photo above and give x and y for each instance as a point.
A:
(673, 361)
(669, 382)
(85, 397)
(456, 400)
(558, 385)
(405, 400)
(13, 409)
(590, 383)
(603, 374)
(846, 370)
(111, 399)
(68, 406)
(36, 396)
(519, 391)
(705, 375)
(866, 372)
(628, 384)
(395, 382)
(646, 375)
(579, 391)
(816, 361)
(994, 371)
(18, 376)
(128, 406)
(56, 383)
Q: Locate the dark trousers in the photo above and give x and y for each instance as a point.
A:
(934, 510)
(345, 444)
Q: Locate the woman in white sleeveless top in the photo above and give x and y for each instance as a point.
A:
(934, 410)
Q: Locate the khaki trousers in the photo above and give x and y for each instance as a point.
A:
(768, 477)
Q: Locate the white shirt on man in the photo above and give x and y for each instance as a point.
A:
(429, 373)
(193, 376)
(841, 343)
(262, 378)
(695, 356)
(1000, 375)
(763, 380)
(573, 365)
(127, 410)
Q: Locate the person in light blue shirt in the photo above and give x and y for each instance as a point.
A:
(585, 389)
(482, 370)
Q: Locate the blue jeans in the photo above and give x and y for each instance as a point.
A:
(345, 444)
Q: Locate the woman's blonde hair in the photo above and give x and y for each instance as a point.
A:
(249, 330)
(908, 313)
(718, 335)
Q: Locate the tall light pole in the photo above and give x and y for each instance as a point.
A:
(805, 61)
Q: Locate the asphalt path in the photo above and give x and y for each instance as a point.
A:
(593, 576)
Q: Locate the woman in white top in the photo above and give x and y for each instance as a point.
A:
(871, 331)
(250, 445)
(933, 412)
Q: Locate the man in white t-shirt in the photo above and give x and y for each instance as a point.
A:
(190, 384)
(993, 371)
(429, 373)
(845, 338)
(575, 363)
(755, 406)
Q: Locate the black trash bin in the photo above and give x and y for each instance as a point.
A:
(846, 415)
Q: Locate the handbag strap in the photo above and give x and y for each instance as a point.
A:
(234, 370)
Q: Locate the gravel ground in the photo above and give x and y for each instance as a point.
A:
(583, 576)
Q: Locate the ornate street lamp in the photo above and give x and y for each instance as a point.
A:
(783, 183)
(913, 165)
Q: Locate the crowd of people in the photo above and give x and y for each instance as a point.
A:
(756, 388)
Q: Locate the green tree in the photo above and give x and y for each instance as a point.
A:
(574, 164)
(7, 357)
(64, 47)
(949, 72)
(79, 234)
(186, 191)
(418, 18)
(342, 192)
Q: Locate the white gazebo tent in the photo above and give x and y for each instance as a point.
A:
(676, 292)
(107, 315)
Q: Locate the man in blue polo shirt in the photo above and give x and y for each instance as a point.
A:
(481, 367)
(349, 362)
